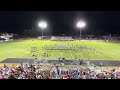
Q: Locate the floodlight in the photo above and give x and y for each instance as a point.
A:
(80, 24)
(42, 24)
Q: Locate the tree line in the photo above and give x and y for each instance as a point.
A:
(31, 33)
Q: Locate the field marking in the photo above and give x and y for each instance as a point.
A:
(99, 55)
(90, 56)
(52, 55)
(15, 54)
(79, 54)
(47, 53)
(9, 52)
(61, 54)
(83, 55)
(71, 54)
(22, 50)
(94, 53)
(114, 53)
(27, 52)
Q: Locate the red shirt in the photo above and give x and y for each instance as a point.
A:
(1, 72)
(12, 71)
(3, 77)
(68, 76)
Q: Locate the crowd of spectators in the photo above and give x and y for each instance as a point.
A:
(36, 72)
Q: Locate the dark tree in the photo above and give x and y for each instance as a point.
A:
(31, 32)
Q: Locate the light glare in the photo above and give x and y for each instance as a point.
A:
(42, 24)
(81, 24)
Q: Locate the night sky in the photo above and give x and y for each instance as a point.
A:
(61, 22)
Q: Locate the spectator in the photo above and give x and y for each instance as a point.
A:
(76, 73)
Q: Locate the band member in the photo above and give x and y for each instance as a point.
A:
(33, 55)
(35, 61)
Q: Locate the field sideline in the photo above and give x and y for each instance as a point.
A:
(96, 50)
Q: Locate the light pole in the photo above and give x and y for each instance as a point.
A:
(80, 33)
(80, 24)
(42, 32)
(42, 25)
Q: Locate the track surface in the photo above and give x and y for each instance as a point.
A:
(66, 62)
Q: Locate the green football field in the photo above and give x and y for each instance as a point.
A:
(23, 48)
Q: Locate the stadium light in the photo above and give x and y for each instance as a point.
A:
(42, 25)
(80, 24)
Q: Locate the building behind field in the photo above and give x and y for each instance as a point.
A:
(62, 38)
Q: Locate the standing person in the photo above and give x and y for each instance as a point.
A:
(4, 66)
(53, 75)
(21, 65)
(35, 61)
(33, 55)
(80, 61)
(58, 71)
(11, 76)
(50, 68)
(101, 64)
(26, 66)
(88, 63)
(75, 75)
(7, 71)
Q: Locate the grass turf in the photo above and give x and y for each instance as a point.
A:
(96, 50)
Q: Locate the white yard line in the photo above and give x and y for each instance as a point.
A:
(98, 55)
(9, 52)
(82, 56)
(61, 54)
(71, 54)
(52, 55)
(19, 50)
(89, 55)
(94, 53)
(47, 53)
(78, 55)
(15, 54)
(27, 52)
(113, 53)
